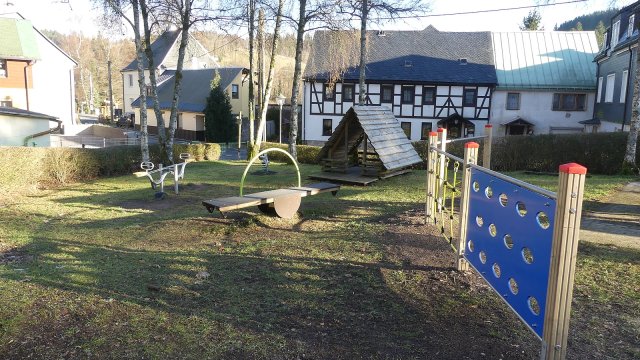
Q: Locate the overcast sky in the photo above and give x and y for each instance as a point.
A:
(79, 15)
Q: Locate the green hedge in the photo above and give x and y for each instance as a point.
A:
(600, 153)
(27, 168)
(306, 154)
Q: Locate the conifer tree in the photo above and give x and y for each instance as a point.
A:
(218, 119)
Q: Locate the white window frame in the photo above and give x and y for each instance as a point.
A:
(615, 34)
(623, 86)
(610, 86)
(130, 80)
(4, 72)
(630, 28)
(600, 81)
(517, 106)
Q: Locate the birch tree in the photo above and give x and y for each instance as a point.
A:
(118, 8)
(319, 12)
(267, 91)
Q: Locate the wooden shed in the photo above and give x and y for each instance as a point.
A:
(368, 144)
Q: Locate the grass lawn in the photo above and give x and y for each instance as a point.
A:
(102, 270)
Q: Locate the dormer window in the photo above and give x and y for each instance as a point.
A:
(462, 61)
(381, 33)
(632, 19)
(408, 63)
(604, 42)
(615, 34)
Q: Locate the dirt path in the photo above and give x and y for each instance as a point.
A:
(616, 222)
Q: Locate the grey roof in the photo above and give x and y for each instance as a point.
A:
(386, 136)
(428, 55)
(196, 86)
(160, 47)
(545, 59)
(26, 113)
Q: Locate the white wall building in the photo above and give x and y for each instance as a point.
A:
(546, 81)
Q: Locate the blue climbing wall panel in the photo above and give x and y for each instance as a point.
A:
(510, 231)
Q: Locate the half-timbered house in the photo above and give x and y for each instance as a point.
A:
(428, 78)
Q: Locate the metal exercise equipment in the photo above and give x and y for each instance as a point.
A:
(177, 170)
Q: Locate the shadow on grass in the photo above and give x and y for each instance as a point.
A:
(347, 305)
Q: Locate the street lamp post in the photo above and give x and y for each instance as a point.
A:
(280, 100)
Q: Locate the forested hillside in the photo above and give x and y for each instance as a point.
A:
(588, 21)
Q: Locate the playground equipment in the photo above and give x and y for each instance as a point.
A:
(282, 202)
(161, 172)
(520, 238)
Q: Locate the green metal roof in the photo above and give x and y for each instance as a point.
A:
(18, 40)
(540, 60)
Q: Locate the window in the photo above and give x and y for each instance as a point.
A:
(604, 41)
(387, 94)
(235, 91)
(408, 93)
(426, 129)
(130, 80)
(179, 122)
(615, 34)
(6, 103)
(599, 94)
(329, 92)
(513, 101)
(149, 90)
(3, 68)
(327, 127)
(623, 86)
(428, 95)
(630, 28)
(469, 97)
(569, 102)
(406, 126)
(608, 93)
(347, 92)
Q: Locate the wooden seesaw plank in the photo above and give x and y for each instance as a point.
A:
(317, 188)
(230, 203)
(268, 198)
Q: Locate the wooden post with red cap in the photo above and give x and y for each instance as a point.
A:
(470, 157)
(429, 206)
(486, 148)
(564, 250)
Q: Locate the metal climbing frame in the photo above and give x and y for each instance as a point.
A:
(521, 239)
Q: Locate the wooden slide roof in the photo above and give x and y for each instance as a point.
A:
(385, 135)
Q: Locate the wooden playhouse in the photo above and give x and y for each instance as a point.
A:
(368, 144)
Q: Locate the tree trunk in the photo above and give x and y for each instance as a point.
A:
(184, 40)
(297, 74)
(252, 106)
(144, 10)
(261, 45)
(272, 63)
(629, 163)
(363, 53)
(144, 133)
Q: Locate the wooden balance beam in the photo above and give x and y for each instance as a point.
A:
(282, 202)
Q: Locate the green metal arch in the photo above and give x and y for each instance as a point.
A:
(264, 152)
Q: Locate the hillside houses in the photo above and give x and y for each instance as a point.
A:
(521, 82)
(165, 59)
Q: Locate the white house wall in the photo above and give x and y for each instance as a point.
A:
(448, 102)
(53, 83)
(536, 108)
(15, 129)
(131, 92)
